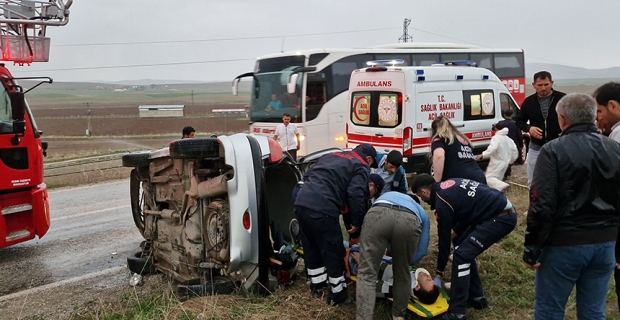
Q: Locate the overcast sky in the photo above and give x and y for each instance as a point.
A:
(576, 33)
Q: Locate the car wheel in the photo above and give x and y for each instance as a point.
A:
(139, 264)
(136, 160)
(217, 229)
(194, 148)
(137, 197)
(219, 285)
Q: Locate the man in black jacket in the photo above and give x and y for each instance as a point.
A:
(539, 110)
(572, 223)
(339, 182)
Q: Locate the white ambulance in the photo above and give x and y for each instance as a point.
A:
(392, 107)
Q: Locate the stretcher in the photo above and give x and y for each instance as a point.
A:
(428, 311)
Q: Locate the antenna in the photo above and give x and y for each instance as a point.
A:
(406, 37)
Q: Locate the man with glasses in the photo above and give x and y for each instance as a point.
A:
(391, 170)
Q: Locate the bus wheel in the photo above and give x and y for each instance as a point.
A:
(136, 160)
(194, 148)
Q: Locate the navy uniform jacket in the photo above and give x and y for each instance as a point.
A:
(338, 182)
(460, 204)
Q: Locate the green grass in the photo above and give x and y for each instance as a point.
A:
(509, 287)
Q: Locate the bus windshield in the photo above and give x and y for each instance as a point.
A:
(270, 99)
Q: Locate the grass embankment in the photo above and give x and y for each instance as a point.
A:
(509, 287)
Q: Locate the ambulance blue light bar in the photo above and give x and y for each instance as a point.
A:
(459, 77)
(461, 63)
(485, 77)
(389, 62)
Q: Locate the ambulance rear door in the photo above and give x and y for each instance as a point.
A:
(377, 109)
(438, 94)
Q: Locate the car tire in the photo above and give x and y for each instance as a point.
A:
(137, 263)
(136, 196)
(194, 148)
(137, 159)
(220, 285)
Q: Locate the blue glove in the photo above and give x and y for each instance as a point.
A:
(286, 249)
(437, 281)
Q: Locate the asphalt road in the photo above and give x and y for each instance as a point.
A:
(91, 235)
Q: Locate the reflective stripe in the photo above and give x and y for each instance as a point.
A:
(319, 279)
(464, 273)
(335, 281)
(464, 266)
(314, 272)
(338, 288)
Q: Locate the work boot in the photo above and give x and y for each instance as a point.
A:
(478, 303)
(453, 316)
(348, 301)
(318, 293)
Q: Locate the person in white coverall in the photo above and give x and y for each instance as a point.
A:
(502, 152)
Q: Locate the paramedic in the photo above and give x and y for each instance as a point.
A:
(390, 169)
(338, 182)
(474, 216)
(398, 220)
(452, 153)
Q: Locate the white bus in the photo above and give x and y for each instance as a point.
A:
(323, 81)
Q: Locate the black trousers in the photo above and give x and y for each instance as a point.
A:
(324, 252)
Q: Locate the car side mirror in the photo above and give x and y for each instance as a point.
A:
(18, 105)
(292, 83)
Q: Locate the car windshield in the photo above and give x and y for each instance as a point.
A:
(6, 116)
(270, 99)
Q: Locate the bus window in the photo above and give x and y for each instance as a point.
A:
(507, 103)
(454, 57)
(483, 60)
(509, 65)
(279, 64)
(316, 95)
(341, 72)
(425, 59)
(315, 58)
(389, 56)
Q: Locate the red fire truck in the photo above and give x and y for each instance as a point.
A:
(24, 204)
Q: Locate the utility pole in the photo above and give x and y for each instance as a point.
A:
(406, 37)
(192, 100)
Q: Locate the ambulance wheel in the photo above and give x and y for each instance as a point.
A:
(136, 160)
(194, 148)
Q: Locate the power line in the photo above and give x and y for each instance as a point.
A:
(142, 65)
(219, 39)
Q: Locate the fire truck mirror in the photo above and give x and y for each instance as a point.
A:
(19, 127)
(18, 105)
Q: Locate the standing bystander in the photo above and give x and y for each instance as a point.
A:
(607, 99)
(287, 136)
(188, 132)
(539, 118)
(572, 223)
